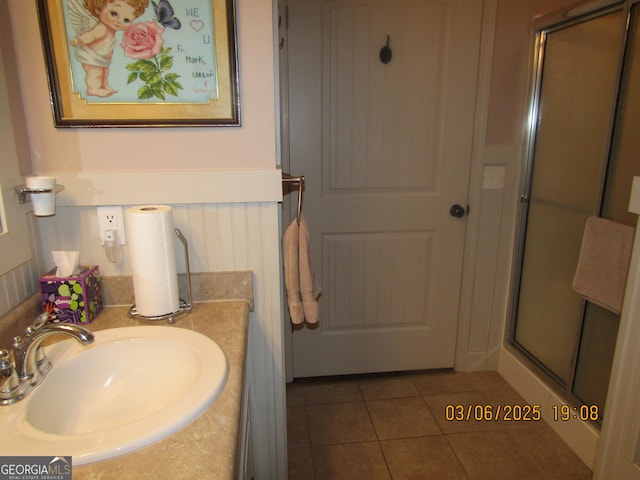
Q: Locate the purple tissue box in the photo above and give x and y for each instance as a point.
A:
(74, 299)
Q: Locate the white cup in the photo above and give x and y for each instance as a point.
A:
(44, 204)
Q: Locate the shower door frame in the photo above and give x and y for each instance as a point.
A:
(542, 28)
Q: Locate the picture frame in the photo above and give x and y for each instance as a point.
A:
(141, 63)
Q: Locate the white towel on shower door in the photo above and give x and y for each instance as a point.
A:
(603, 264)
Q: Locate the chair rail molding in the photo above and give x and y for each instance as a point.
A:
(179, 187)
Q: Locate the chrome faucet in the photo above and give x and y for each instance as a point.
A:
(30, 365)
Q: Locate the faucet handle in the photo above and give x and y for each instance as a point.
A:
(39, 360)
(19, 354)
(6, 367)
(40, 322)
(9, 381)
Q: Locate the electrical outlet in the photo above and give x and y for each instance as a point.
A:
(112, 218)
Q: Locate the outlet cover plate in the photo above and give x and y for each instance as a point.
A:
(112, 218)
(493, 177)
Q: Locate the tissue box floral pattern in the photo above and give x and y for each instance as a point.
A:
(74, 299)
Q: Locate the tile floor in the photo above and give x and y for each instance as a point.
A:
(394, 427)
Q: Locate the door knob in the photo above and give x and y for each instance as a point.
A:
(458, 211)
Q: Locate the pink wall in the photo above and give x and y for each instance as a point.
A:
(251, 146)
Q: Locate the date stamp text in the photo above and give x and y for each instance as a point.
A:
(492, 413)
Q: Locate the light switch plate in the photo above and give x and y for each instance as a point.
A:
(493, 177)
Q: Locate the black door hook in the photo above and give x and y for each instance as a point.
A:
(385, 52)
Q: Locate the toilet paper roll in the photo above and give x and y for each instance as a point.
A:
(151, 237)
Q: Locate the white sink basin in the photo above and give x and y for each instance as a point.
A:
(132, 387)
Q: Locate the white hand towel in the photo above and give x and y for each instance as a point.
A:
(309, 287)
(603, 264)
(290, 240)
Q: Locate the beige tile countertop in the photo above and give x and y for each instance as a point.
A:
(206, 448)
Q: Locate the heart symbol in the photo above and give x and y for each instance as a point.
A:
(197, 25)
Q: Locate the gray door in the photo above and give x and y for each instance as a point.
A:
(385, 149)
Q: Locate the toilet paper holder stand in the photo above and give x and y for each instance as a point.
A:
(185, 306)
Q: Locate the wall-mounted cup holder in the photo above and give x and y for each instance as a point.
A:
(43, 197)
(23, 190)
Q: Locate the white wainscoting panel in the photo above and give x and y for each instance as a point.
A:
(16, 285)
(20, 283)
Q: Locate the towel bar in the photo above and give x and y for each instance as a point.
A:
(289, 179)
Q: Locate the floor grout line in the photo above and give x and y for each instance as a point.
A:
(366, 405)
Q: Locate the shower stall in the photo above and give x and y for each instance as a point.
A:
(583, 151)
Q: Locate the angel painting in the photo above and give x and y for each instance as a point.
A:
(95, 23)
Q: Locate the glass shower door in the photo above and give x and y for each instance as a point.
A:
(599, 333)
(576, 103)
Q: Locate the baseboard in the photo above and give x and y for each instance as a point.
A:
(582, 437)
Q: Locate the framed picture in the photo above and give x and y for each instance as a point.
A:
(141, 63)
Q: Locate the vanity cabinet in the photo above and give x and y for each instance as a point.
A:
(216, 444)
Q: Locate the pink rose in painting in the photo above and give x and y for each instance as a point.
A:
(143, 40)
